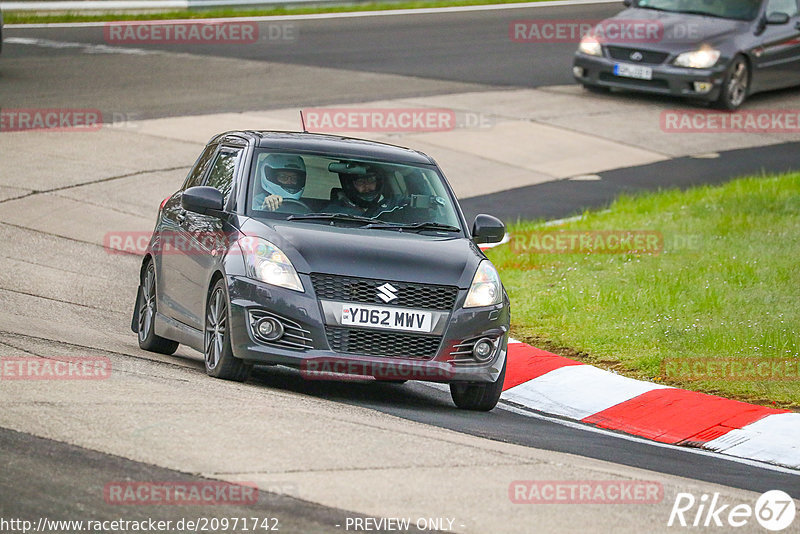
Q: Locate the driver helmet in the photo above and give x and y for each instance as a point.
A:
(365, 190)
(284, 175)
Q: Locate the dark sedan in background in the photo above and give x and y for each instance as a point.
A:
(332, 255)
(718, 51)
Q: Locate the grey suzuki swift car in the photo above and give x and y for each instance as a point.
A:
(339, 257)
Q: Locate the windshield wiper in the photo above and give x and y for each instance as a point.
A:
(654, 8)
(701, 13)
(429, 225)
(332, 217)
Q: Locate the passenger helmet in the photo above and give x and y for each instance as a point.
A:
(366, 199)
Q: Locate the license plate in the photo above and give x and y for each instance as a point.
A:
(387, 318)
(633, 71)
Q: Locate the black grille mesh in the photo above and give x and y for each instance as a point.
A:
(409, 295)
(649, 57)
(375, 343)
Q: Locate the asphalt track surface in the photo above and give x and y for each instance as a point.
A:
(434, 55)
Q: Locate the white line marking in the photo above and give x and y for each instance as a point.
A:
(86, 48)
(357, 14)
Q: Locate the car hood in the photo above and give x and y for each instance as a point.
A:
(678, 31)
(379, 254)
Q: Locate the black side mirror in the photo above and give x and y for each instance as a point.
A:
(202, 199)
(777, 18)
(627, 3)
(487, 229)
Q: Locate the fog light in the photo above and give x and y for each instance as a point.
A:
(270, 329)
(702, 87)
(482, 350)
(578, 72)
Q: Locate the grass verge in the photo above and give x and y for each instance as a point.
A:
(20, 17)
(716, 309)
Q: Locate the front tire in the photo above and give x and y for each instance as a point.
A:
(146, 316)
(479, 397)
(735, 85)
(219, 359)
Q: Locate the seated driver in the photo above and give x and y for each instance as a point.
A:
(283, 177)
(362, 194)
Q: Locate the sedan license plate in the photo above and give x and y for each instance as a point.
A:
(633, 71)
(387, 318)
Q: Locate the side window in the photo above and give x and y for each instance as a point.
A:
(223, 169)
(782, 6)
(200, 166)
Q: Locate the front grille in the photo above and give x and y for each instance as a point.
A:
(409, 295)
(649, 57)
(375, 343)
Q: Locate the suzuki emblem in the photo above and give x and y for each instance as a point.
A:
(387, 292)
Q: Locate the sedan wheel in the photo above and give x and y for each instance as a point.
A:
(735, 85)
(146, 316)
(219, 358)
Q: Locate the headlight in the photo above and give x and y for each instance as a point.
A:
(704, 58)
(590, 46)
(267, 263)
(486, 289)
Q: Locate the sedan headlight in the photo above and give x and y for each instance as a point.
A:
(590, 46)
(267, 263)
(705, 58)
(486, 289)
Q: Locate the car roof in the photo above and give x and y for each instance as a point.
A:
(333, 145)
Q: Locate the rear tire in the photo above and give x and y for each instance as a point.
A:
(479, 397)
(218, 355)
(146, 315)
(735, 85)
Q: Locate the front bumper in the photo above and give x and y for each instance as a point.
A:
(667, 79)
(310, 349)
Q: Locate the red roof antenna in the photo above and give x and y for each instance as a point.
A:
(303, 122)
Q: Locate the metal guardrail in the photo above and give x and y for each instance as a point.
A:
(125, 5)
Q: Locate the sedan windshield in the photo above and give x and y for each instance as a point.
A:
(370, 194)
(726, 9)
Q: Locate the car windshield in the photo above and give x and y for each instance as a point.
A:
(349, 192)
(726, 9)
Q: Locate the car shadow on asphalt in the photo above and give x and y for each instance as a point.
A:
(365, 392)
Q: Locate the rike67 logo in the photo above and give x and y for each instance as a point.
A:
(773, 510)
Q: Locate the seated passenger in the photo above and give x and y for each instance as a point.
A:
(362, 194)
(283, 177)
